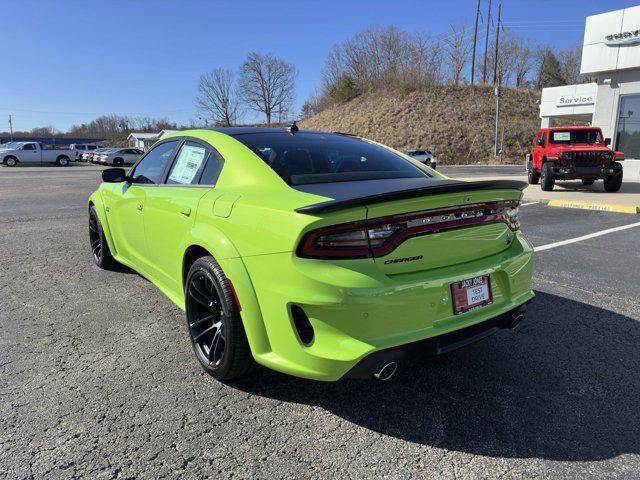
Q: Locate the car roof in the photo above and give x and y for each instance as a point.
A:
(233, 131)
(242, 130)
(581, 127)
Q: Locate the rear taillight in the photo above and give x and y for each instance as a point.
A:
(379, 236)
(348, 240)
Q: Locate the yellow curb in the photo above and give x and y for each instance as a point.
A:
(603, 207)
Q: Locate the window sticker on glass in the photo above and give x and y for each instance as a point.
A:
(187, 164)
(561, 136)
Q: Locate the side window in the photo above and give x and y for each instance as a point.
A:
(29, 146)
(151, 167)
(212, 169)
(188, 164)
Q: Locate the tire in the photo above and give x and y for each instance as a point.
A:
(62, 161)
(588, 181)
(213, 320)
(99, 246)
(11, 161)
(118, 162)
(547, 180)
(613, 183)
(533, 176)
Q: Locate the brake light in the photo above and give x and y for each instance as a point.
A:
(379, 236)
(348, 240)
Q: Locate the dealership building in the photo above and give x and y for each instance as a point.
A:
(611, 58)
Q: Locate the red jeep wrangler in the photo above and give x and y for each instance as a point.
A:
(571, 153)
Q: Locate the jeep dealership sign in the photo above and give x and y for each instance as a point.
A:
(631, 37)
(574, 100)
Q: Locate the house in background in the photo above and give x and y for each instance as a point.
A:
(142, 140)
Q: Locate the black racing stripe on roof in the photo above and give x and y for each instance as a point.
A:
(234, 131)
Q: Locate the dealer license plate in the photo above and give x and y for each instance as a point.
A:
(471, 294)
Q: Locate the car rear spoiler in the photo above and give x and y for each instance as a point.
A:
(437, 188)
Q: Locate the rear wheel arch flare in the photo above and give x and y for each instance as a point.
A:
(193, 253)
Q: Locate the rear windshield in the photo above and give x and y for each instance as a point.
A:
(576, 136)
(306, 158)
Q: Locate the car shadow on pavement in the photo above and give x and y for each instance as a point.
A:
(565, 386)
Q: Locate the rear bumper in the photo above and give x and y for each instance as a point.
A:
(413, 352)
(356, 311)
(574, 173)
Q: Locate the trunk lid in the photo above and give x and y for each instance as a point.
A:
(422, 226)
(452, 243)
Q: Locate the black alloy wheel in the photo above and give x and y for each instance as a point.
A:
(215, 326)
(99, 246)
(94, 237)
(206, 317)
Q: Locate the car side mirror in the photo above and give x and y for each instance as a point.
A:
(607, 141)
(114, 175)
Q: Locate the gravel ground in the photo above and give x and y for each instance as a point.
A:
(99, 380)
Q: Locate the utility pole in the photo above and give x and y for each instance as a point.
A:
(496, 82)
(495, 55)
(475, 38)
(486, 44)
(11, 128)
(498, 94)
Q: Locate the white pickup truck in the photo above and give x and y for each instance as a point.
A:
(34, 152)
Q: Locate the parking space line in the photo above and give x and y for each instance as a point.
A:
(528, 203)
(585, 237)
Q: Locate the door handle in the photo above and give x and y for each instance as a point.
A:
(186, 211)
(139, 207)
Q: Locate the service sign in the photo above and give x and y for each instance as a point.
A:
(573, 100)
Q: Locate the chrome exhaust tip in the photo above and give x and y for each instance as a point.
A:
(387, 371)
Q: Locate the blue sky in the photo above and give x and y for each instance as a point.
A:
(67, 62)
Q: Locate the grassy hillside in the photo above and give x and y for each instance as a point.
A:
(455, 122)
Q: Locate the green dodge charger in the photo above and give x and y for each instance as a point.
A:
(320, 255)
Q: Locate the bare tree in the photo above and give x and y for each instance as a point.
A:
(377, 58)
(523, 60)
(217, 97)
(426, 59)
(457, 51)
(48, 131)
(113, 126)
(570, 64)
(267, 84)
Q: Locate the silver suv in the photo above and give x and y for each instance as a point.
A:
(425, 156)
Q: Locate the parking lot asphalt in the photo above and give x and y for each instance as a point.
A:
(98, 379)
